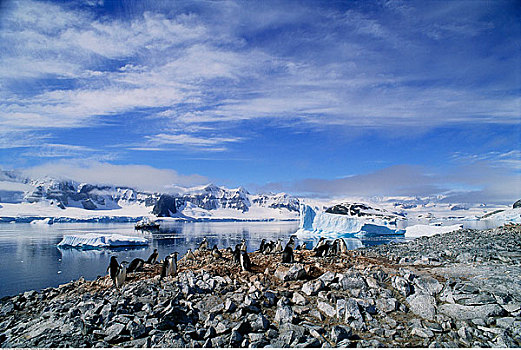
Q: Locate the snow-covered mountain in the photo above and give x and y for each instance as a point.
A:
(48, 197)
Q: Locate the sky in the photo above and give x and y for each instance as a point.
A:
(314, 98)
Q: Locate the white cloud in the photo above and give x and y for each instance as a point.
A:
(142, 177)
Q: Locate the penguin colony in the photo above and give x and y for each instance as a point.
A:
(324, 248)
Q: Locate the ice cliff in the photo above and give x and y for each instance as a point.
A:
(95, 240)
(347, 219)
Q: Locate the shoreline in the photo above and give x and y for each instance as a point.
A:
(454, 289)
(128, 219)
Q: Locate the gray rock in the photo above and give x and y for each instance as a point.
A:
(299, 299)
(229, 306)
(136, 330)
(284, 314)
(464, 312)
(327, 277)
(402, 285)
(217, 309)
(352, 280)
(352, 311)
(258, 322)
(339, 333)
(235, 339)
(386, 304)
(114, 332)
(326, 309)
(505, 322)
(422, 332)
(313, 287)
(422, 305)
(290, 333)
(428, 285)
(295, 272)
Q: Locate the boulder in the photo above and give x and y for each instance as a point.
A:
(428, 285)
(299, 299)
(386, 304)
(293, 273)
(165, 206)
(339, 333)
(466, 312)
(422, 305)
(284, 314)
(517, 204)
(326, 309)
(313, 287)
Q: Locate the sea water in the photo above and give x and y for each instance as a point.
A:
(30, 258)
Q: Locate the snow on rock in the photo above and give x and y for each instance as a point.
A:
(429, 230)
(372, 222)
(95, 240)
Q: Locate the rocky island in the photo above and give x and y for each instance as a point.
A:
(458, 289)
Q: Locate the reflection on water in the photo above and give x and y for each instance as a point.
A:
(30, 258)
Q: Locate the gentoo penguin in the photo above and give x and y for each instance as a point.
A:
(262, 245)
(152, 258)
(203, 245)
(216, 253)
(243, 245)
(121, 274)
(113, 268)
(269, 247)
(287, 254)
(237, 254)
(244, 260)
(135, 265)
(322, 249)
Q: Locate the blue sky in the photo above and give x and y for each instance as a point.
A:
(315, 98)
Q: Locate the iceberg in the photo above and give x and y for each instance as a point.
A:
(429, 230)
(319, 223)
(96, 240)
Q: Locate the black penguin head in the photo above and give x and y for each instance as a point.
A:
(155, 250)
(215, 247)
(113, 260)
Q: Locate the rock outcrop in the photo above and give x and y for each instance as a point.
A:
(165, 206)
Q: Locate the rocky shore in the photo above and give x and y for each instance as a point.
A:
(459, 289)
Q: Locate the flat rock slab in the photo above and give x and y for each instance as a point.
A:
(465, 312)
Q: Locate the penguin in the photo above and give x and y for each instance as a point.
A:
(216, 253)
(322, 249)
(121, 274)
(243, 245)
(262, 245)
(244, 260)
(135, 265)
(287, 254)
(278, 247)
(269, 247)
(189, 255)
(152, 258)
(203, 245)
(229, 250)
(342, 246)
(321, 242)
(113, 268)
(169, 267)
(237, 254)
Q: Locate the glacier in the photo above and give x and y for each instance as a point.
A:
(314, 222)
(96, 240)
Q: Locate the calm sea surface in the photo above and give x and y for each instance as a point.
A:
(30, 258)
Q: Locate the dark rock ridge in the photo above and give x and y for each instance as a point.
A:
(360, 210)
(451, 290)
(165, 206)
(517, 204)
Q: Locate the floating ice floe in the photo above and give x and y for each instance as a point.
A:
(96, 240)
(429, 230)
(46, 221)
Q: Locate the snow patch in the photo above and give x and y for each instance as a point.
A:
(429, 230)
(96, 240)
